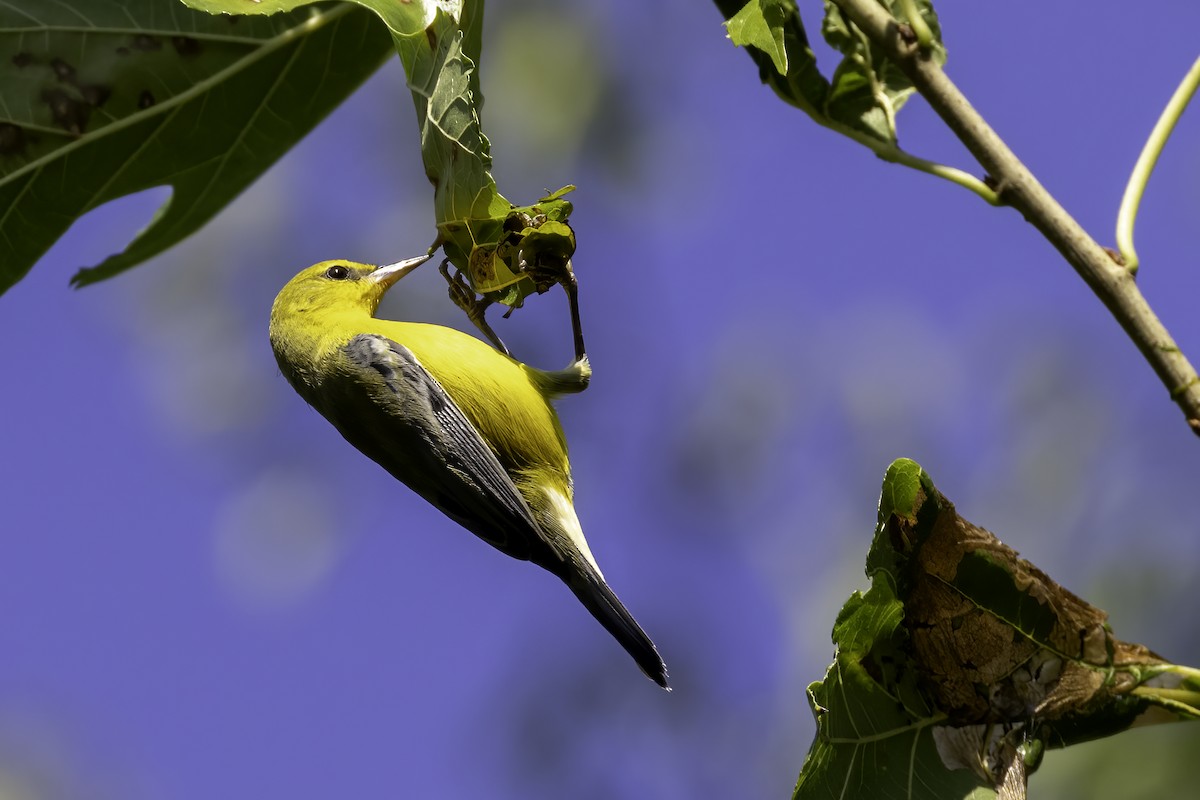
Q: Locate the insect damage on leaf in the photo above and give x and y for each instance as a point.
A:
(1000, 648)
(532, 254)
(963, 662)
(995, 638)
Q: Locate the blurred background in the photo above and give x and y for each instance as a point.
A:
(207, 593)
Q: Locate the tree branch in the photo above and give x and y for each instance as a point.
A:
(1112, 282)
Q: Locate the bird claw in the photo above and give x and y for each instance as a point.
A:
(544, 276)
(463, 296)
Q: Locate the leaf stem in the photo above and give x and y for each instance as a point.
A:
(884, 102)
(1188, 673)
(896, 155)
(918, 24)
(1127, 215)
(1175, 698)
(1017, 186)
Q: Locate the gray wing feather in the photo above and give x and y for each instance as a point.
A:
(443, 457)
(430, 445)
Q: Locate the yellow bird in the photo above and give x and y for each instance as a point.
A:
(466, 427)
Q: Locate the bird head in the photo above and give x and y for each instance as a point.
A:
(341, 285)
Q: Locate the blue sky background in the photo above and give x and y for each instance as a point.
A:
(207, 593)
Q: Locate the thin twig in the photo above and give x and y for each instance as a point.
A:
(892, 153)
(1146, 161)
(1112, 283)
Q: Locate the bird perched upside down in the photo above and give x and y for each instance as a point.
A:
(468, 428)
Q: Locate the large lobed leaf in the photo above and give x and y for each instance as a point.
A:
(439, 44)
(963, 662)
(104, 98)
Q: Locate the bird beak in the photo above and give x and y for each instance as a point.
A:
(388, 274)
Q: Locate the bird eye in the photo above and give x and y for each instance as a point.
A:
(338, 272)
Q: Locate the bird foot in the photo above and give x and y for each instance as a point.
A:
(463, 296)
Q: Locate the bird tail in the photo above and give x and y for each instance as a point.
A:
(603, 604)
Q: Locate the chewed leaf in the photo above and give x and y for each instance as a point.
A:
(472, 216)
(112, 100)
(963, 661)
(489, 272)
(551, 241)
(531, 254)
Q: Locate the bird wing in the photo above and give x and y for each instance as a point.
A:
(430, 445)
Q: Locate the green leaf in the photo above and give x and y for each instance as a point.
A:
(117, 98)
(403, 18)
(760, 24)
(772, 32)
(867, 90)
(473, 218)
(874, 728)
(439, 45)
(102, 99)
(532, 236)
(963, 661)
(444, 80)
(901, 488)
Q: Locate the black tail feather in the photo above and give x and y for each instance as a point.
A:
(595, 595)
